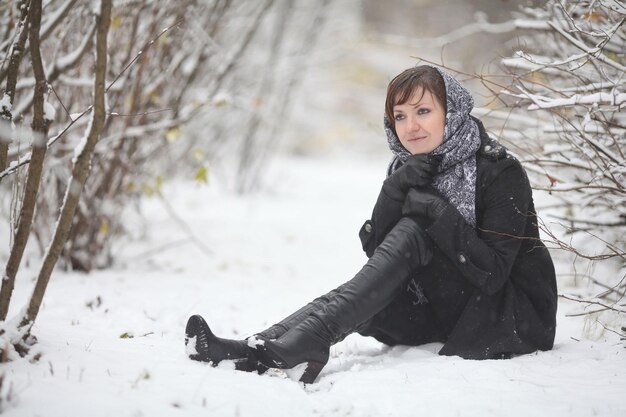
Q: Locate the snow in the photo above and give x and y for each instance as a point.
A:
(80, 146)
(519, 63)
(605, 98)
(272, 253)
(82, 142)
(253, 342)
(190, 348)
(5, 103)
(48, 111)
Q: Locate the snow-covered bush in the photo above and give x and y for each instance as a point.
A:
(188, 83)
(567, 91)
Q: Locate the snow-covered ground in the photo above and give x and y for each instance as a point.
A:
(270, 253)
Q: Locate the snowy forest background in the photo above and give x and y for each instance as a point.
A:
(165, 158)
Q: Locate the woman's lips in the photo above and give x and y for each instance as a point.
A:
(416, 139)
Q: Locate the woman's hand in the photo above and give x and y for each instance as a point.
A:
(425, 203)
(417, 171)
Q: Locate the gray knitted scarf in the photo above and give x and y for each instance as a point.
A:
(456, 177)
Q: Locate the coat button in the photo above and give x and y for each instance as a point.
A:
(462, 258)
(368, 227)
(487, 148)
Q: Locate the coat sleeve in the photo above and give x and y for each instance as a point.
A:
(485, 255)
(385, 215)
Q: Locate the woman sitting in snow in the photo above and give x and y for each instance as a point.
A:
(453, 246)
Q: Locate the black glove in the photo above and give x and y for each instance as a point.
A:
(424, 203)
(417, 171)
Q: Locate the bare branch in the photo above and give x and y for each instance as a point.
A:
(60, 66)
(50, 24)
(16, 53)
(593, 302)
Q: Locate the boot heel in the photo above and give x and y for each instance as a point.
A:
(311, 372)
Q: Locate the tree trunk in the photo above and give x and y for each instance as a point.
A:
(40, 134)
(80, 170)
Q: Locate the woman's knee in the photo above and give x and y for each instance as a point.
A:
(412, 225)
(411, 238)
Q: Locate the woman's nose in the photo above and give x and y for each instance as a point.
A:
(414, 124)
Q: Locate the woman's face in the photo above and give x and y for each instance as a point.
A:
(420, 122)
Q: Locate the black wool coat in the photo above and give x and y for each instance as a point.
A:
(493, 287)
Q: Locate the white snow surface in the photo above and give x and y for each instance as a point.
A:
(272, 252)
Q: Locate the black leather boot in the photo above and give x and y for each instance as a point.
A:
(403, 250)
(292, 320)
(204, 346)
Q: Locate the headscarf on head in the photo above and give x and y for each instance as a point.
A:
(456, 177)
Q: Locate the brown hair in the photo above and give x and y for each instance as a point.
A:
(402, 87)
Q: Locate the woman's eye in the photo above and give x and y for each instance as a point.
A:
(398, 117)
(423, 111)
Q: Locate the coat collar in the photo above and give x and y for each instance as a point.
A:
(489, 147)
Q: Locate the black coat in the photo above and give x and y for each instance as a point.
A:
(492, 288)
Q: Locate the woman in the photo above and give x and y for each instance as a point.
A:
(453, 246)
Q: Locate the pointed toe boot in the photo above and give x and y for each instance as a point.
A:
(202, 345)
